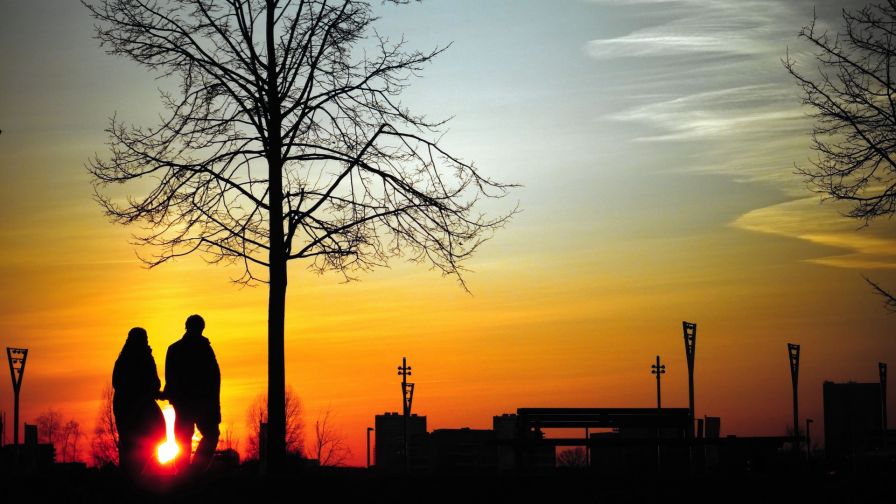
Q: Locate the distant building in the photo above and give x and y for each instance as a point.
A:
(460, 450)
(853, 425)
(389, 448)
(713, 427)
(30, 457)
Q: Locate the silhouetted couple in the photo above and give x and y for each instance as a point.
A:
(192, 386)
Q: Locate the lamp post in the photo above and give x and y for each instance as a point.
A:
(16, 357)
(658, 370)
(793, 351)
(690, 348)
(407, 398)
(369, 430)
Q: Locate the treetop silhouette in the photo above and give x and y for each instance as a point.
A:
(284, 139)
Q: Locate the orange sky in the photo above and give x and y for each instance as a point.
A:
(620, 239)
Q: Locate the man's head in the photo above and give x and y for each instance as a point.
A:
(195, 325)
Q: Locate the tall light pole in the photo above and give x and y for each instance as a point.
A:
(793, 352)
(658, 370)
(16, 357)
(882, 369)
(407, 398)
(690, 347)
(369, 430)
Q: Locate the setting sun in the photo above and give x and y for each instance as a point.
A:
(169, 449)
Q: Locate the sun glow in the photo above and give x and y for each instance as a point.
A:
(168, 450)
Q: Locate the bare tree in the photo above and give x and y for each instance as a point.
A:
(228, 441)
(70, 441)
(65, 436)
(853, 98)
(295, 428)
(284, 138)
(330, 448)
(49, 427)
(889, 299)
(104, 445)
(574, 458)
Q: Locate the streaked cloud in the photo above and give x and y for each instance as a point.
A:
(719, 113)
(805, 219)
(742, 27)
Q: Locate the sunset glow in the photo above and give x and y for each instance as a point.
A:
(168, 450)
(654, 143)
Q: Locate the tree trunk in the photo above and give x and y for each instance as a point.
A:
(276, 449)
(277, 263)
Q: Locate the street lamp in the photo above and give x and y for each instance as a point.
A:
(658, 370)
(17, 358)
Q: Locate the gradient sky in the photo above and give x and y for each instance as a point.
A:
(655, 142)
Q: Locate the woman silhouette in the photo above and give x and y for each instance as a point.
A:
(141, 426)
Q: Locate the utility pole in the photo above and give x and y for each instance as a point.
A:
(16, 357)
(407, 398)
(658, 370)
(882, 368)
(793, 352)
(369, 430)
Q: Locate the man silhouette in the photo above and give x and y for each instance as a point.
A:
(193, 387)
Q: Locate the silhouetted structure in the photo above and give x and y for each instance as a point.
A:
(28, 458)
(690, 349)
(809, 439)
(882, 371)
(632, 443)
(463, 450)
(367, 453)
(793, 352)
(658, 370)
(407, 399)
(389, 451)
(16, 358)
(852, 422)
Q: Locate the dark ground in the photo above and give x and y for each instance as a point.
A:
(357, 485)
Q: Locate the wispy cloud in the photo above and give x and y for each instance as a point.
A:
(804, 219)
(746, 110)
(701, 26)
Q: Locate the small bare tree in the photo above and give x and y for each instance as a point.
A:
(295, 428)
(64, 435)
(853, 99)
(330, 448)
(228, 440)
(284, 139)
(104, 445)
(574, 458)
(70, 441)
(49, 427)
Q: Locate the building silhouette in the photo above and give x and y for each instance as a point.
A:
(389, 448)
(853, 426)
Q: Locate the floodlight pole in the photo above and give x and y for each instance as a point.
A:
(407, 398)
(16, 357)
(793, 351)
